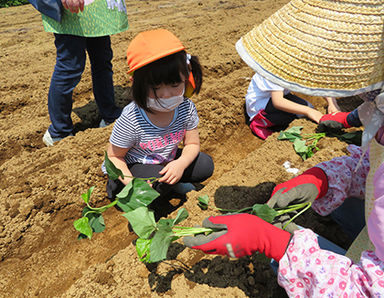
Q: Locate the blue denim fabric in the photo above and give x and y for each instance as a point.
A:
(70, 64)
(353, 119)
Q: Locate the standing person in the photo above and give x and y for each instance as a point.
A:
(85, 27)
(270, 107)
(145, 138)
(324, 46)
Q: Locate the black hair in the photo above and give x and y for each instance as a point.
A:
(167, 71)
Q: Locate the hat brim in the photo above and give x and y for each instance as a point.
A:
(292, 86)
(320, 47)
(155, 57)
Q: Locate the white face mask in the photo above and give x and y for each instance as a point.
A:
(165, 104)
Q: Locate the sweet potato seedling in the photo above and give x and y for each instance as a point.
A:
(155, 237)
(305, 145)
(262, 210)
(137, 193)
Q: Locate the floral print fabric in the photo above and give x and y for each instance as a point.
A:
(308, 271)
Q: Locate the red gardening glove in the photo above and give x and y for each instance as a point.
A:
(307, 187)
(334, 121)
(240, 235)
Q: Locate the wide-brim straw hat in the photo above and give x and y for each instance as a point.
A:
(320, 47)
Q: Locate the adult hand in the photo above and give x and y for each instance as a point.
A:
(172, 172)
(334, 121)
(73, 6)
(240, 235)
(307, 187)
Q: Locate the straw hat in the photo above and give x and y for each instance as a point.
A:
(320, 47)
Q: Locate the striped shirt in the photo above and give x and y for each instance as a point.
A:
(148, 143)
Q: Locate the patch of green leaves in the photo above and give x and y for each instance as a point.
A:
(137, 193)
(203, 202)
(304, 145)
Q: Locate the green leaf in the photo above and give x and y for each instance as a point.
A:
(123, 197)
(295, 129)
(299, 146)
(142, 221)
(291, 134)
(113, 172)
(82, 225)
(161, 241)
(264, 212)
(143, 249)
(181, 215)
(86, 196)
(203, 202)
(141, 194)
(96, 221)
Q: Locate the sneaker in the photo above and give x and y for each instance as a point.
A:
(49, 141)
(183, 187)
(104, 123)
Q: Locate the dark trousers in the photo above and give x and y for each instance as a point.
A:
(70, 63)
(198, 171)
(281, 118)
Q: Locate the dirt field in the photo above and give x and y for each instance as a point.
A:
(40, 187)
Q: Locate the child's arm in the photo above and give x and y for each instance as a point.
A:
(116, 156)
(333, 107)
(283, 104)
(174, 170)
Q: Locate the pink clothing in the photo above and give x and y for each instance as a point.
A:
(343, 181)
(306, 270)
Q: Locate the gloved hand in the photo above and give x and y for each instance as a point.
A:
(240, 235)
(307, 187)
(334, 121)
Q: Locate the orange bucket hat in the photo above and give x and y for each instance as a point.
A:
(152, 45)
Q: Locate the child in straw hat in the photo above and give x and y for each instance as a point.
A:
(272, 107)
(145, 138)
(321, 48)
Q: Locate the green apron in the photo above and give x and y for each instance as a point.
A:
(99, 18)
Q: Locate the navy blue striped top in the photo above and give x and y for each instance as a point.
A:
(148, 143)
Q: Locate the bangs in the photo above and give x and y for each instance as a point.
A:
(167, 70)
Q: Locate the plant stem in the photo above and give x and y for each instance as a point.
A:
(291, 208)
(102, 208)
(298, 214)
(179, 231)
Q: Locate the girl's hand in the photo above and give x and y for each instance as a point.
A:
(172, 172)
(314, 115)
(333, 107)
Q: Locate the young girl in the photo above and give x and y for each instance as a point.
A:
(270, 106)
(146, 137)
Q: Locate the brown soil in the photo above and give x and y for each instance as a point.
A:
(40, 187)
